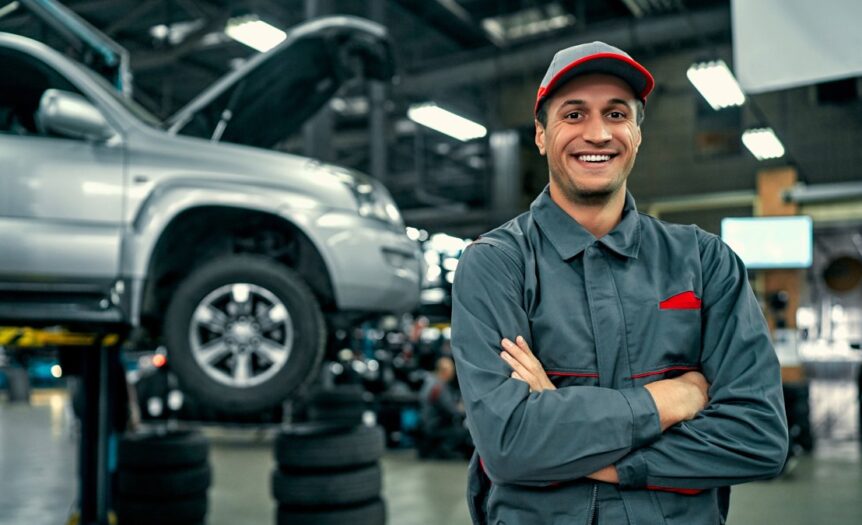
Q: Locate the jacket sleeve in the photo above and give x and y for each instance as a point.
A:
(742, 434)
(523, 437)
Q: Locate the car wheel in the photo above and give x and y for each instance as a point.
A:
(243, 333)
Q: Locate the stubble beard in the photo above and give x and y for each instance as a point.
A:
(588, 197)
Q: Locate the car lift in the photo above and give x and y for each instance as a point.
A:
(100, 351)
(98, 339)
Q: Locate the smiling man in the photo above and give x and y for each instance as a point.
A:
(615, 368)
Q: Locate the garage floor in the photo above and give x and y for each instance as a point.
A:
(37, 479)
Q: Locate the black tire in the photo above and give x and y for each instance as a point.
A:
(373, 513)
(299, 449)
(321, 489)
(306, 319)
(163, 512)
(350, 415)
(341, 396)
(343, 404)
(154, 451)
(167, 484)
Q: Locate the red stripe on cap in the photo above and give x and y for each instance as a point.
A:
(650, 81)
(681, 301)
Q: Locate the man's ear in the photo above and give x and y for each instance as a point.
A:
(540, 137)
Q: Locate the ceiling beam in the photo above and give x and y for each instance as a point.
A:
(486, 66)
(192, 44)
(448, 19)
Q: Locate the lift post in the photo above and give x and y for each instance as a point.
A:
(100, 352)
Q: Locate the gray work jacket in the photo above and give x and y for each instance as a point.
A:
(648, 301)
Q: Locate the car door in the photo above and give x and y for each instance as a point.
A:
(60, 198)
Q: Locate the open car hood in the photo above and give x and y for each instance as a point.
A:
(275, 93)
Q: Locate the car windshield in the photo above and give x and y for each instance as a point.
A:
(133, 107)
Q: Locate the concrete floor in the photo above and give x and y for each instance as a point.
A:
(37, 479)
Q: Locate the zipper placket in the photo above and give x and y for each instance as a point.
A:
(593, 505)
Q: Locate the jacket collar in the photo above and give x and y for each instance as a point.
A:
(569, 238)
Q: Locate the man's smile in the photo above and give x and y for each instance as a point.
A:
(594, 159)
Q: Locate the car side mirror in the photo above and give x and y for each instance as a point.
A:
(72, 115)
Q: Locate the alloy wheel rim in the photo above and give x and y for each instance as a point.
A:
(241, 335)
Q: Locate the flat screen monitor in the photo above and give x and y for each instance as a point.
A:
(770, 242)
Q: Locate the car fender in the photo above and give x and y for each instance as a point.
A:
(171, 199)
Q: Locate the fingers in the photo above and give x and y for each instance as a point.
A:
(516, 375)
(523, 372)
(527, 367)
(521, 352)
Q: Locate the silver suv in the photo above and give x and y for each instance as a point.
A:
(238, 258)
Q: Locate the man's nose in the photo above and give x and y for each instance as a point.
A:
(596, 131)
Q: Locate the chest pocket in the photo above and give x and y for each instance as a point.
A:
(665, 336)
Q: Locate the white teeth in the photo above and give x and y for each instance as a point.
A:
(594, 158)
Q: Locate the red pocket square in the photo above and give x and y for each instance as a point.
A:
(681, 301)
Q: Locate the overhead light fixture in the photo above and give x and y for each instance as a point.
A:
(527, 23)
(762, 143)
(433, 116)
(716, 83)
(254, 32)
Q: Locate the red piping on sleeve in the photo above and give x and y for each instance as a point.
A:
(664, 371)
(685, 492)
(681, 301)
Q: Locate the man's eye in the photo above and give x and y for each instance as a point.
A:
(573, 115)
(617, 115)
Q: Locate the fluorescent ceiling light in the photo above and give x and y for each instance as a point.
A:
(716, 83)
(437, 118)
(527, 22)
(763, 143)
(254, 32)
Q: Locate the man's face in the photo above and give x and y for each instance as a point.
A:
(591, 138)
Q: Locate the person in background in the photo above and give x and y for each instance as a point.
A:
(443, 433)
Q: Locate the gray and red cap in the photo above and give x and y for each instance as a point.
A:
(595, 57)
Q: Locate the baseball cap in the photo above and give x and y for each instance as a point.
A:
(594, 57)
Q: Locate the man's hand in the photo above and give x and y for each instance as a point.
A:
(525, 366)
(679, 399)
(607, 475)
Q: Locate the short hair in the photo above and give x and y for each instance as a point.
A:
(542, 112)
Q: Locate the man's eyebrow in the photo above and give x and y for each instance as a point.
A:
(579, 102)
(573, 102)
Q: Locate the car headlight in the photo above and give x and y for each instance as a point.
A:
(372, 199)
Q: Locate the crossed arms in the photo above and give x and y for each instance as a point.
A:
(676, 400)
(660, 435)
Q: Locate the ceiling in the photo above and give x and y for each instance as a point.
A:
(481, 58)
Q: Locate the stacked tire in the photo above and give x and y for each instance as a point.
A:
(329, 475)
(162, 478)
(344, 405)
